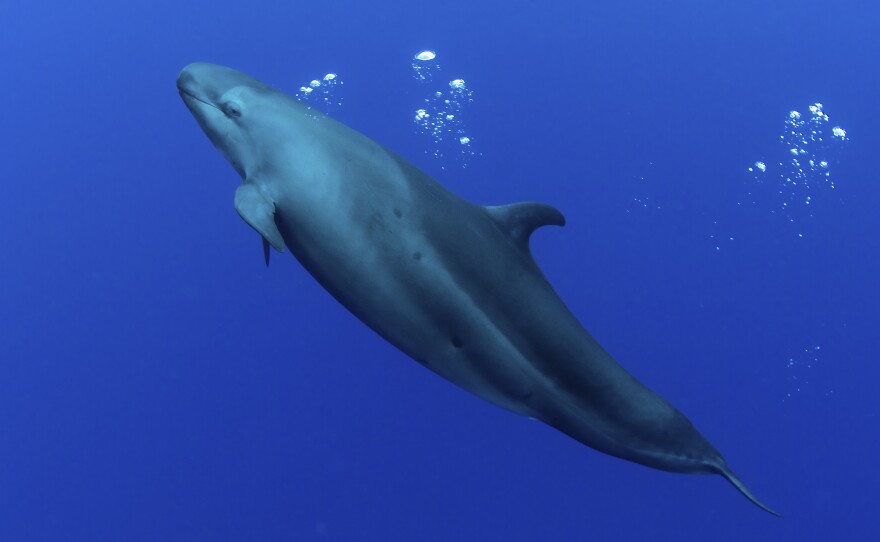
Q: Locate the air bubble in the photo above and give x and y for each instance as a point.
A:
(323, 93)
(425, 65)
(800, 372)
(442, 117)
(810, 144)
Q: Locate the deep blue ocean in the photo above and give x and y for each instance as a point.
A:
(159, 382)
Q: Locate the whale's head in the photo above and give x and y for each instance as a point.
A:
(239, 114)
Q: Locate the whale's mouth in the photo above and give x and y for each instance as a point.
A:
(186, 95)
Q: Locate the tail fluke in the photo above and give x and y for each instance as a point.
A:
(725, 471)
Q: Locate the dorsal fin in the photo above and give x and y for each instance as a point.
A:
(519, 220)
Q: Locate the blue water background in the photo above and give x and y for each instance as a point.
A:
(158, 382)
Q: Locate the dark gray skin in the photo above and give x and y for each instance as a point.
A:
(450, 283)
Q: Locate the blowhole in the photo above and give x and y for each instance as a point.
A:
(457, 342)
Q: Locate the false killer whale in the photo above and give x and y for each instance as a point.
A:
(450, 283)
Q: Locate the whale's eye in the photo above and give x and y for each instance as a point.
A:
(232, 109)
